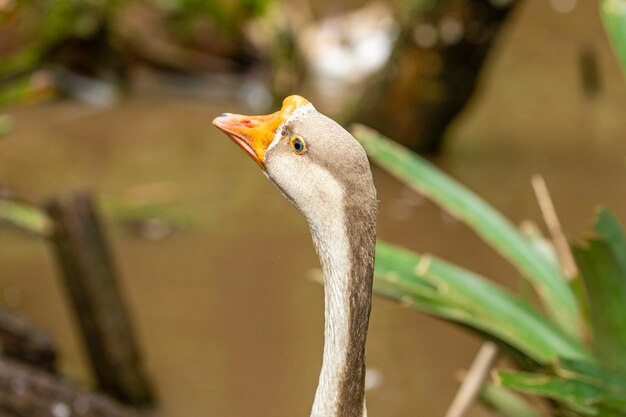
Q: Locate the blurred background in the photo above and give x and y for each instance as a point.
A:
(217, 269)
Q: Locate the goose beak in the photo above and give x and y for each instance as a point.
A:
(254, 134)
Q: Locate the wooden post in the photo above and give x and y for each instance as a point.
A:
(91, 283)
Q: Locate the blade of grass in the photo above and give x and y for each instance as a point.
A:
(25, 217)
(428, 305)
(463, 296)
(531, 232)
(607, 226)
(591, 374)
(577, 395)
(603, 263)
(506, 402)
(490, 225)
(614, 16)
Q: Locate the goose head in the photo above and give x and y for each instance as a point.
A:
(313, 161)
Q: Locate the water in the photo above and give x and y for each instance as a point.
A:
(229, 321)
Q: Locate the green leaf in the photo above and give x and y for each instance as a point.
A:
(607, 226)
(592, 374)
(577, 395)
(490, 225)
(25, 217)
(542, 245)
(602, 265)
(614, 16)
(448, 291)
(505, 402)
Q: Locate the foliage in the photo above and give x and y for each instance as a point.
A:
(582, 387)
(450, 292)
(505, 402)
(614, 15)
(59, 21)
(25, 217)
(33, 219)
(579, 379)
(228, 15)
(47, 26)
(494, 228)
(602, 264)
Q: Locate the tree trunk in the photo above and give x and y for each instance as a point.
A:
(433, 71)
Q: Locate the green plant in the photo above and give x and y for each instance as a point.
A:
(550, 348)
(56, 22)
(96, 38)
(614, 16)
(25, 216)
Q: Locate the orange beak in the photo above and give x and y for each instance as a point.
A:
(254, 134)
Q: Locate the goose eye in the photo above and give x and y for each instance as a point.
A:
(297, 145)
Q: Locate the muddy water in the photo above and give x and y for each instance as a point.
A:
(228, 319)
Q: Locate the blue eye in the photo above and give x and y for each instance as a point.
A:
(297, 145)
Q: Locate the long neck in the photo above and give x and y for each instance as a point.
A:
(345, 245)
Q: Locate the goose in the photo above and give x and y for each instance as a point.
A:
(324, 172)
